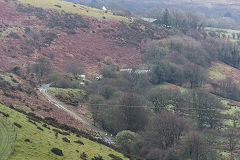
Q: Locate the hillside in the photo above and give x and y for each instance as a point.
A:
(62, 33)
(84, 83)
(35, 138)
(25, 132)
(141, 6)
(28, 33)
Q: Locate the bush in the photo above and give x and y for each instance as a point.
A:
(83, 156)
(162, 133)
(107, 91)
(126, 140)
(97, 158)
(42, 66)
(108, 73)
(17, 125)
(66, 140)
(114, 157)
(75, 69)
(195, 147)
(67, 98)
(79, 142)
(57, 151)
(159, 73)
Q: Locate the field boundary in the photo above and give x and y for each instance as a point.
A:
(11, 137)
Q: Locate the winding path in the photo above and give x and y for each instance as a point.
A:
(43, 90)
(7, 138)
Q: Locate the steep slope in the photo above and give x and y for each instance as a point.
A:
(16, 92)
(221, 71)
(63, 36)
(63, 33)
(36, 138)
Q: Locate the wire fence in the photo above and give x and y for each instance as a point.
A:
(10, 139)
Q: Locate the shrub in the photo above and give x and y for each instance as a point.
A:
(83, 156)
(195, 147)
(68, 98)
(97, 158)
(40, 128)
(57, 151)
(79, 142)
(75, 69)
(108, 72)
(66, 140)
(17, 125)
(114, 157)
(126, 139)
(107, 91)
(42, 66)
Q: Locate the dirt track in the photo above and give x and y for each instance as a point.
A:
(43, 90)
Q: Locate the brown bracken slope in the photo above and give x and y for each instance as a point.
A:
(27, 33)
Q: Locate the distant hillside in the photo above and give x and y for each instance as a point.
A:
(211, 8)
(89, 34)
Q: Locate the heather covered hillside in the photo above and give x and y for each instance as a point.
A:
(28, 32)
(101, 82)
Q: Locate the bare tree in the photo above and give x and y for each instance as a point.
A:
(232, 136)
(133, 116)
(206, 109)
(161, 98)
(233, 35)
(75, 69)
(164, 130)
(42, 66)
(195, 75)
(195, 147)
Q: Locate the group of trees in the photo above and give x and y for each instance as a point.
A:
(227, 88)
(178, 60)
(42, 69)
(179, 19)
(147, 121)
(127, 113)
(184, 59)
(184, 21)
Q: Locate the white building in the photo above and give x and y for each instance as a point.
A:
(104, 8)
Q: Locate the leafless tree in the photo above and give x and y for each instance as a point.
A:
(232, 136)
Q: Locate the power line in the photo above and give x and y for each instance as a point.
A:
(143, 106)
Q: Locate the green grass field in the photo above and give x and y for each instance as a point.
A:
(11, 78)
(172, 86)
(7, 137)
(214, 72)
(227, 32)
(79, 94)
(74, 8)
(41, 142)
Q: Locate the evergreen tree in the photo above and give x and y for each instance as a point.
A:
(165, 18)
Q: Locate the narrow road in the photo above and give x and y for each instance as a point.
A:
(43, 90)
